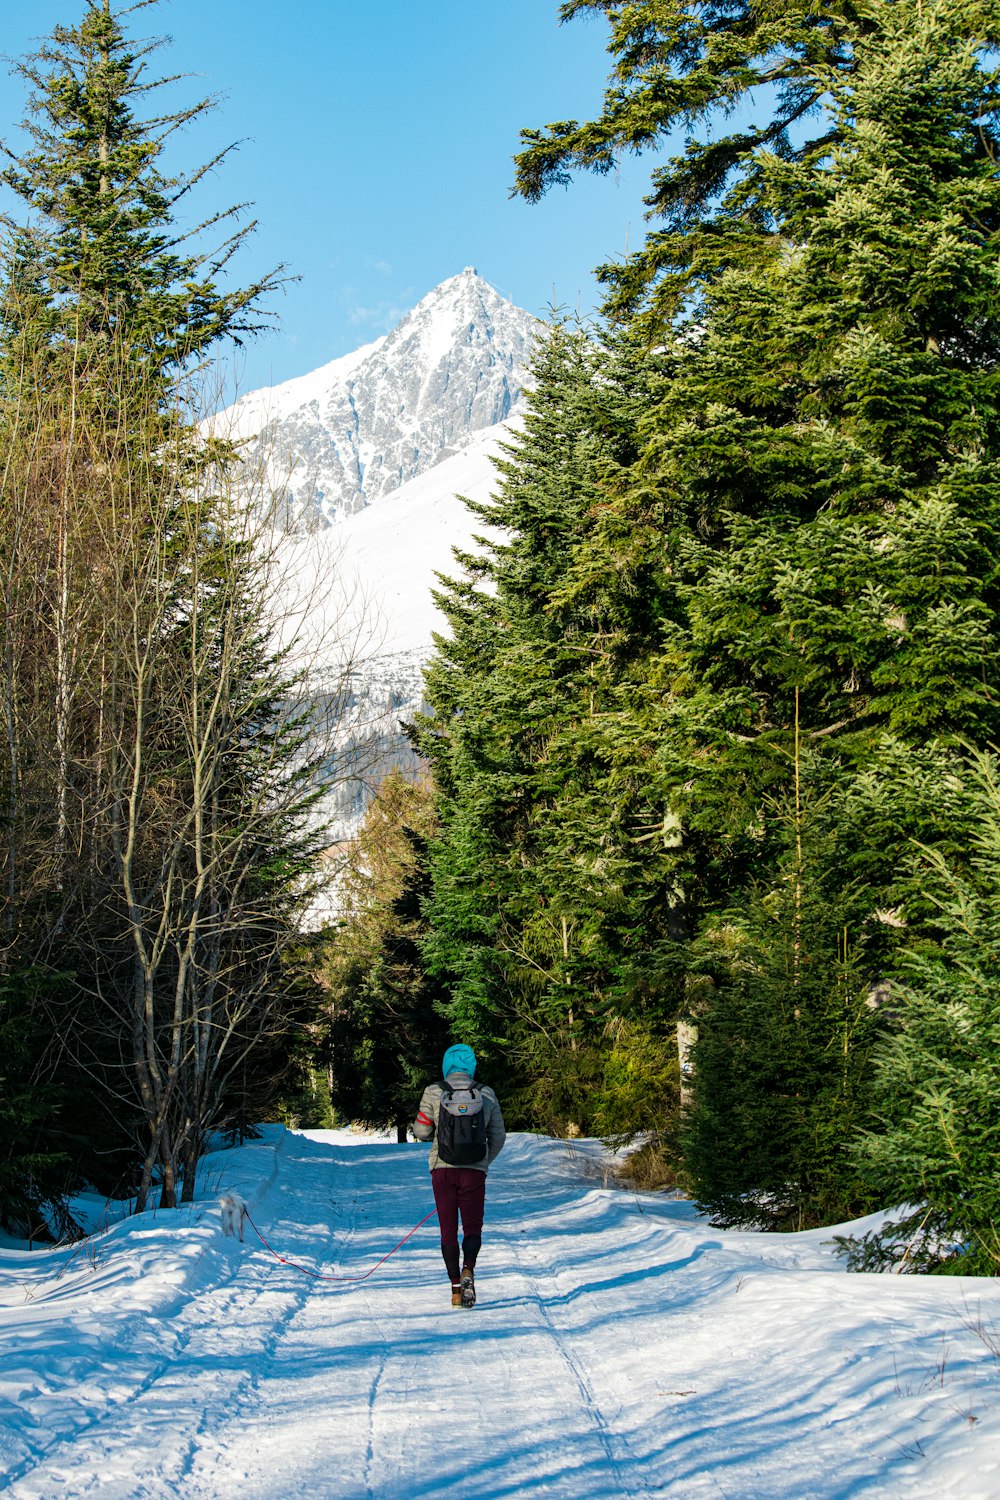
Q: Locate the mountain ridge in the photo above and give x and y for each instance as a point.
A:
(341, 437)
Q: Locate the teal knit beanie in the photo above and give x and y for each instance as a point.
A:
(459, 1059)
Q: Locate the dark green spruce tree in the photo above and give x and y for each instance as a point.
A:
(34, 1160)
(542, 891)
(703, 72)
(818, 478)
(933, 1144)
(848, 600)
(102, 254)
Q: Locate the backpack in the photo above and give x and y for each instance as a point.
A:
(461, 1127)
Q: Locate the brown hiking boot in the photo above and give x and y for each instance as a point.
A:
(468, 1288)
(456, 1295)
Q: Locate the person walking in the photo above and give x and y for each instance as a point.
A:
(463, 1119)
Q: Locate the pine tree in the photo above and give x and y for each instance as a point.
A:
(385, 1030)
(815, 483)
(787, 1022)
(541, 890)
(32, 1165)
(489, 687)
(938, 1072)
(102, 256)
(709, 70)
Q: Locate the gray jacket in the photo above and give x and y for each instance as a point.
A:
(425, 1125)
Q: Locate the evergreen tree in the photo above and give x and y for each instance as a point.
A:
(102, 256)
(786, 1028)
(541, 892)
(709, 69)
(938, 1072)
(386, 1033)
(815, 492)
(32, 1168)
(846, 599)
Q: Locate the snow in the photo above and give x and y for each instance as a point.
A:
(380, 563)
(438, 334)
(367, 458)
(621, 1347)
(256, 410)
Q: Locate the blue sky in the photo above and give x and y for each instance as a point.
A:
(377, 145)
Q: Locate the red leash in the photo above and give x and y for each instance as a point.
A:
(323, 1276)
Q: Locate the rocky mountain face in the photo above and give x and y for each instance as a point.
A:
(361, 427)
(372, 453)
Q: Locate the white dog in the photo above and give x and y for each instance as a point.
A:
(234, 1213)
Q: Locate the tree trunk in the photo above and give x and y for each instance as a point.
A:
(192, 1156)
(146, 1181)
(168, 1193)
(687, 1035)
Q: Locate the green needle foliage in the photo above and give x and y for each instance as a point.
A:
(539, 888)
(740, 616)
(783, 1057)
(32, 1167)
(384, 1031)
(103, 255)
(938, 1072)
(740, 81)
(833, 430)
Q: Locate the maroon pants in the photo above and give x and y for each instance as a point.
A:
(459, 1190)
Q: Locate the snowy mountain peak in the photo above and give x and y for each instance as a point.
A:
(366, 423)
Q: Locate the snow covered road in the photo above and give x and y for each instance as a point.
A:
(621, 1347)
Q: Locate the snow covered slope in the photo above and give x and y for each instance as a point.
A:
(361, 590)
(382, 561)
(360, 427)
(621, 1348)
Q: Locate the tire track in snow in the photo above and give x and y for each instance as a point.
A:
(104, 1428)
(706, 1437)
(373, 1391)
(204, 1311)
(114, 1410)
(617, 1449)
(238, 1401)
(240, 1413)
(213, 1446)
(372, 1318)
